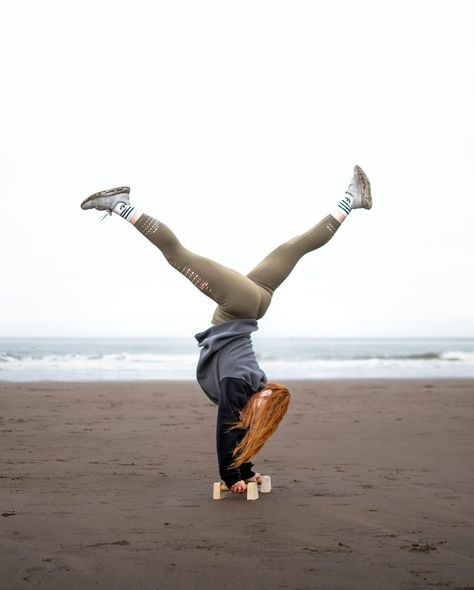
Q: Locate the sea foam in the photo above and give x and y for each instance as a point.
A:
(149, 359)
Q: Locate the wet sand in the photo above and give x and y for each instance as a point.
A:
(109, 486)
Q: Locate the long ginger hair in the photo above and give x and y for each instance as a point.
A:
(261, 416)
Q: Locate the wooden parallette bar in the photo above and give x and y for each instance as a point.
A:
(263, 484)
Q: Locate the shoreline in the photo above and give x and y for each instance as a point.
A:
(108, 485)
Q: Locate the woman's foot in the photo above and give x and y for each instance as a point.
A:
(107, 200)
(359, 190)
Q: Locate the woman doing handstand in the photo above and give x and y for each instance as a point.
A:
(250, 407)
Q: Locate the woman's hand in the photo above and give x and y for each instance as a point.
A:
(239, 487)
(257, 478)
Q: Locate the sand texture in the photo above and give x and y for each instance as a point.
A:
(109, 486)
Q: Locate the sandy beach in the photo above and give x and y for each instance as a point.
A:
(108, 485)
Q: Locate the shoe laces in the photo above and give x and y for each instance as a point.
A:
(106, 215)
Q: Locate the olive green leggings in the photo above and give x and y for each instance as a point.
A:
(237, 296)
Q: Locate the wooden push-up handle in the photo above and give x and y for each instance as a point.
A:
(264, 483)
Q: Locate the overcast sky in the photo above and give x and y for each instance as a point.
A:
(237, 124)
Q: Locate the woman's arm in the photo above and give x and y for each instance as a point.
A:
(234, 394)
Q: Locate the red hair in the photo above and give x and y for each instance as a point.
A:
(261, 416)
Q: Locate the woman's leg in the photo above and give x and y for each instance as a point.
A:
(237, 296)
(273, 270)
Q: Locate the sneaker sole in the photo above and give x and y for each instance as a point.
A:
(365, 184)
(112, 192)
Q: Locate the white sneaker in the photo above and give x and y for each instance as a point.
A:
(359, 189)
(107, 200)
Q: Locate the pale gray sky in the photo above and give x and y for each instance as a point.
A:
(237, 124)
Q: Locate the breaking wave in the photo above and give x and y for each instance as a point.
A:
(92, 360)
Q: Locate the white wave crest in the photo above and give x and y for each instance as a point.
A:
(136, 366)
(458, 355)
(77, 367)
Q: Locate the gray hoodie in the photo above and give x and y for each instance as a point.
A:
(227, 351)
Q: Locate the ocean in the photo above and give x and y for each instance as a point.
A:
(130, 359)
